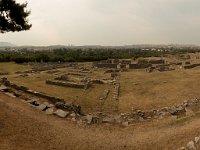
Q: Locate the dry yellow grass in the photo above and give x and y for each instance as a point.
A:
(13, 67)
(139, 89)
(142, 90)
(88, 99)
(24, 127)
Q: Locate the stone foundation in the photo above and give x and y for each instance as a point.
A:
(66, 84)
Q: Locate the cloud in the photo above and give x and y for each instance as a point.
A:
(110, 22)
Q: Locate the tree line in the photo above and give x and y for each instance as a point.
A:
(83, 55)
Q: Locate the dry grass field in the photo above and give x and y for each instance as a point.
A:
(142, 90)
(139, 89)
(23, 127)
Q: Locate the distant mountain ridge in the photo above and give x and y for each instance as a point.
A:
(7, 44)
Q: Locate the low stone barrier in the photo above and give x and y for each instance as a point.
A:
(4, 73)
(64, 77)
(66, 84)
(76, 74)
(191, 66)
(139, 66)
(106, 65)
(98, 81)
(186, 108)
(39, 94)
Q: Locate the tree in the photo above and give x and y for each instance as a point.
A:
(13, 16)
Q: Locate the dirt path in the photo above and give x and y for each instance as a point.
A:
(23, 127)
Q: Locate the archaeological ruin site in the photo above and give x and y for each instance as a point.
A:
(156, 97)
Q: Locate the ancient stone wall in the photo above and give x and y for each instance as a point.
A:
(139, 66)
(4, 73)
(191, 66)
(161, 61)
(76, 74)
(126, 62)
(25, 89)
(66, 84)
(106, 65)
(63, 77)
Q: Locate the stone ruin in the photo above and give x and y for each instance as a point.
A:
(65, 80)
(160, 68)
(102, 100)
(77, 74)
(191, 66)
(142, 64)
(106, 65)
(39, 67)
(184, 57)
(4, 73)
(113, 63)
(60, 108)
(116, 94)
(114, 74)
(56, 102)
(112, 70)
(124, 64)
(139, 65)
(160, 61)
(69, 84)
(64, 77)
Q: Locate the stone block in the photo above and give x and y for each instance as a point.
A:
(61, 113)
(50, 111)
(42, 107)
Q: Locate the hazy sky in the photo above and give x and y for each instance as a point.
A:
(110, 22)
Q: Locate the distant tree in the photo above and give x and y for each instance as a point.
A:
(13, 16)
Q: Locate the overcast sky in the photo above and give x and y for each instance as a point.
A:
(110, 22)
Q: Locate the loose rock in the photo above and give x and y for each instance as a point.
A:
(191, 146)
(61, 113)
(49, 111)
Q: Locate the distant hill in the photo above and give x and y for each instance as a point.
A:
(6, 44)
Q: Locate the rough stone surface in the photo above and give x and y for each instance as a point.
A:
(32, 100)
(191, 146)
(42, 107)
(3, 88)
(61, 113)
(89, 119)
(49, 111)
(125, 123)
(188, 111)
(108, 120)
(197, 141)
(10, 94)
